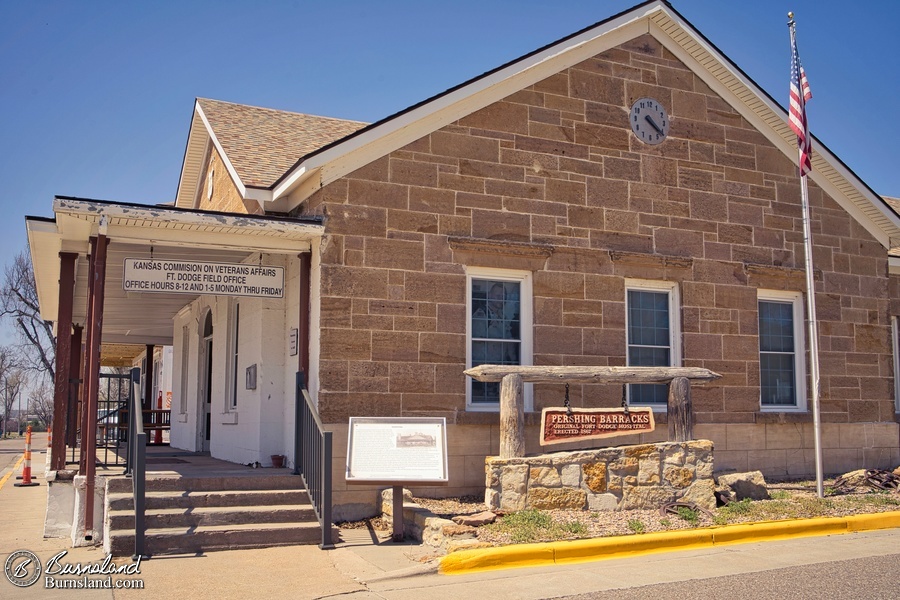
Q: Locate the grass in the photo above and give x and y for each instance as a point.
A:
(689, 514)
(526, 526)
(636, 526)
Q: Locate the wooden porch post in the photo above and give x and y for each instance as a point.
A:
(512, 417)
(75, 387)
(89, 436)
(681, 426)
(87, 366)
(147, 404)
(303, 327)
(63, 361)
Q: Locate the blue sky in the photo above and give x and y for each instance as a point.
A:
(96, 96)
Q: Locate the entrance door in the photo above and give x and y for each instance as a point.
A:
(206, 371)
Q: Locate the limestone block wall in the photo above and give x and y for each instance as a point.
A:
(622, 478)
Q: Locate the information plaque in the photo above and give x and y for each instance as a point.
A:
(397, 450)
(560, 425)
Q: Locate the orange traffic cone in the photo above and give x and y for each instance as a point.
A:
(26, 470)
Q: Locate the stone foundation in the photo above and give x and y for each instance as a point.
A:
(623, 478)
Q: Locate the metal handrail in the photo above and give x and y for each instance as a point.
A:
(312, 458)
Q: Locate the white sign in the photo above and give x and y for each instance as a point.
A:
(193, 277)
(397, 450)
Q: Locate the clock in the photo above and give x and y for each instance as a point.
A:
(649, 121)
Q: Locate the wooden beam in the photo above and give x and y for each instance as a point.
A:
(541, 374)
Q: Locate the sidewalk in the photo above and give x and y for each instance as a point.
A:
(295, 571)
(363, 567)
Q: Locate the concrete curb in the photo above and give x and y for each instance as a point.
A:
(549, 553)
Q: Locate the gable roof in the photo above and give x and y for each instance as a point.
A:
(257, 144)
(654, 17)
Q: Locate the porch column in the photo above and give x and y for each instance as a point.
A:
(92, 382)
(63, 352)
(75, 387)
(147, 404)
(86, 366)
(303, 329)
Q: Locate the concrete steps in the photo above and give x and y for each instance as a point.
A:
(200, 514)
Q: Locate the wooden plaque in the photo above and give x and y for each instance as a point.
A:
(560, 425)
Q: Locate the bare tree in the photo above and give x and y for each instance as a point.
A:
(40, 402)
(12, 380)
(19, 304)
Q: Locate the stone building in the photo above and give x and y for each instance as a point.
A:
(623, 196)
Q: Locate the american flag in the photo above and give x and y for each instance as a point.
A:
(800, 93)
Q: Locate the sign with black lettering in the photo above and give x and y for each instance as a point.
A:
(560, 425)
(202, 278)
(397, 450)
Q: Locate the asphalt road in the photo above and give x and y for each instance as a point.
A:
(11, 450)
(873, 578)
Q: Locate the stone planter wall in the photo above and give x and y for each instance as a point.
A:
(628, 477)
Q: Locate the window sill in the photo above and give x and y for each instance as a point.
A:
(229, 418)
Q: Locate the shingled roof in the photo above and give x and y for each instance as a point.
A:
(263, 143)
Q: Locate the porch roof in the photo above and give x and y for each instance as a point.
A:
(139, 231)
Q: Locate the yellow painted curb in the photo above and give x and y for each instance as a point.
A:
(548, 553)
(14, 469)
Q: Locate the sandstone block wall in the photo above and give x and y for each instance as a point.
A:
(714, 209)
(629, 477)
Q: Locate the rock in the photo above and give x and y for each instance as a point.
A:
(745, 485)
(476, 520)
(852, 478)
(702, 494)
(544, 477)
(550, 498)
(602, 502)
(387, 500)
(897, 471)
(595, 476)
(458, 531)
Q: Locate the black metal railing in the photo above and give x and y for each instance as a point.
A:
(312, 458)
(137, 467)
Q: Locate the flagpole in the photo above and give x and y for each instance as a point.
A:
(810, 306)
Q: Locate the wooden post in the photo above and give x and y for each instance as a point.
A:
(512, 417)
(680, 413)
(63, 358)
(92, 379)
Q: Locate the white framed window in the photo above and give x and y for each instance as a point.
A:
(210, 179)
(895, 337)
(499, 329)
(234, 330)
(782, 352)
(653, 335)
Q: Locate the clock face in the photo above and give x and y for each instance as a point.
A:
(649, 121)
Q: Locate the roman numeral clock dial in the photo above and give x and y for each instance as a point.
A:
(649, 121)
